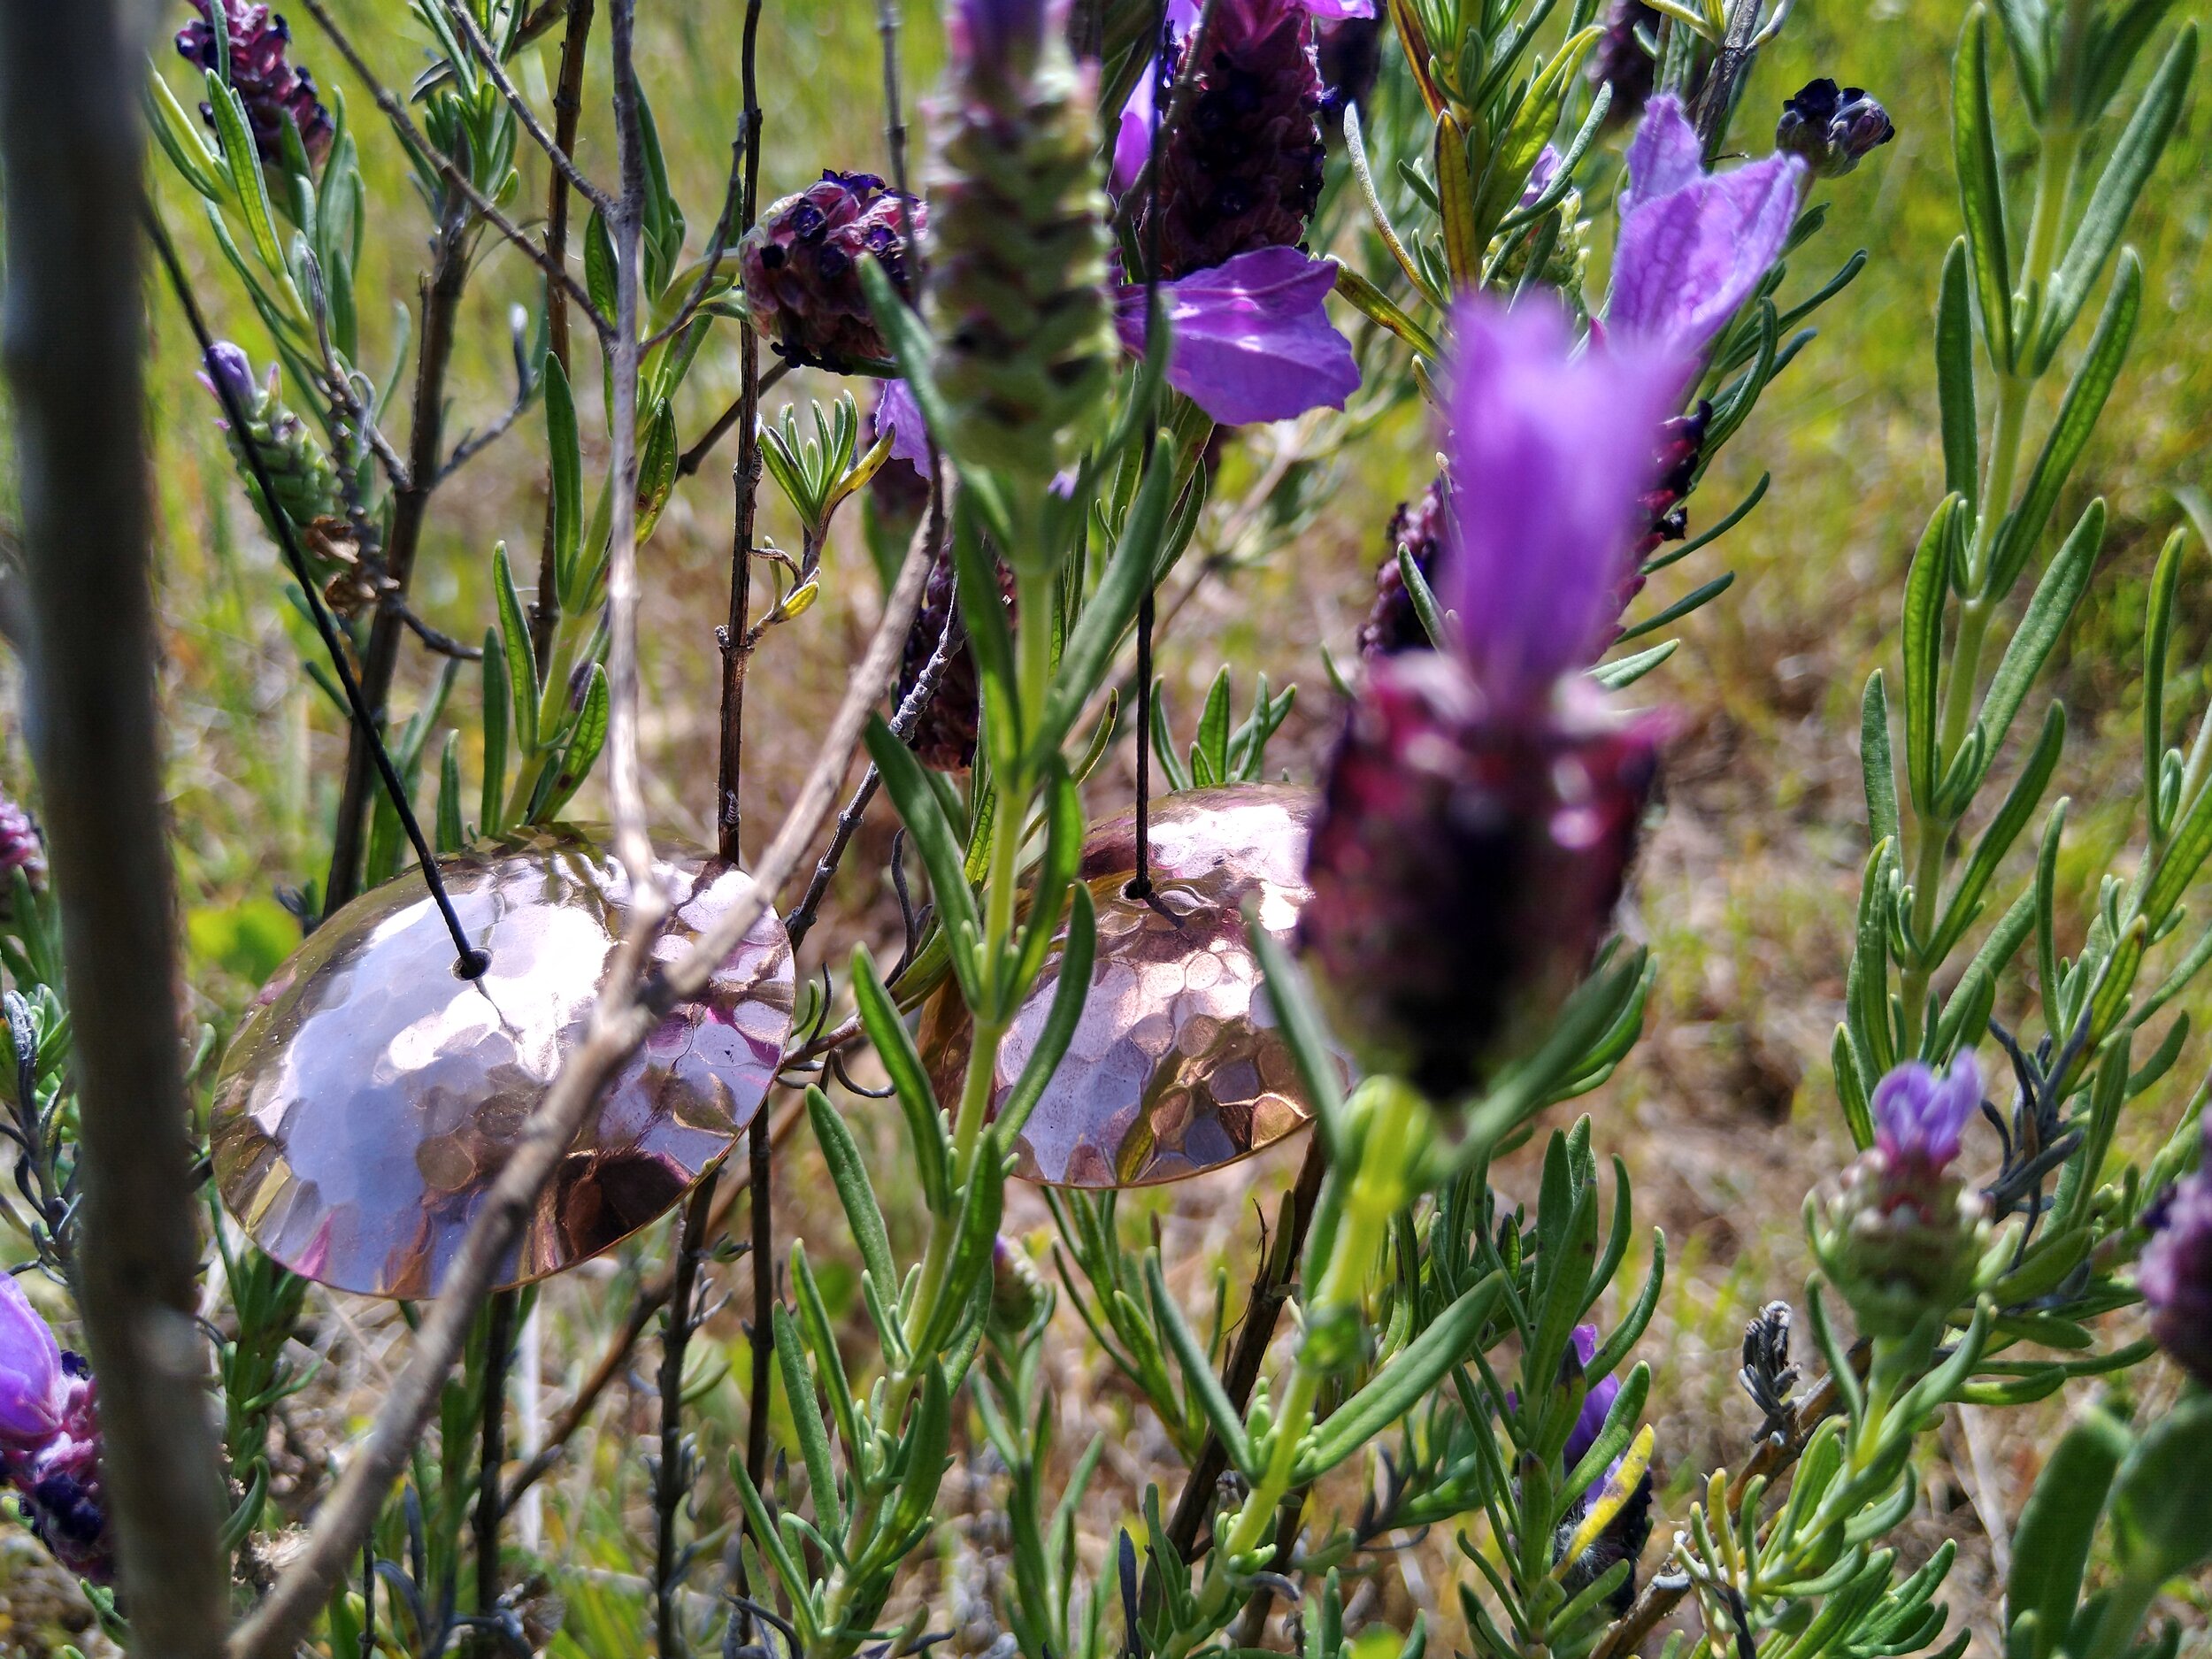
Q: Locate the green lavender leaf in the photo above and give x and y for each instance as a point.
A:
(1981, 186)
(1200, 1385)
(850, 1175)
(1401, 1384)
(910, 1081)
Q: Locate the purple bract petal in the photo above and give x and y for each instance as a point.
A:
(1540, 176)
(230, 367)
(1595, 1404)
(32, 1389)
(1920, 1115)
(1547, 454)
(897, 413)
(1253, 339)
(1693, 246)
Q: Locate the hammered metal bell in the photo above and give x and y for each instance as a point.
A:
(371, 1094)
(1177, 1066)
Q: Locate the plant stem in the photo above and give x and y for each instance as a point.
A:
(410, 504)
(673, 1480)
(499, 1343)
(71, 144)
(568, 106)
(728, 816)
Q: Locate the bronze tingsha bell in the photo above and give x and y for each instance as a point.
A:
(1177, 1066)
(372, 1094)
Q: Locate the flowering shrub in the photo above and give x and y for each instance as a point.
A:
(1556, 257)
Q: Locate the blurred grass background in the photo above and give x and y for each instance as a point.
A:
(1726, 1114)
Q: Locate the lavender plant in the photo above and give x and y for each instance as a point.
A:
(1135, 235)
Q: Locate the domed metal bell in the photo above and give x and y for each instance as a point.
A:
(1177, 1066)
(372, 1094)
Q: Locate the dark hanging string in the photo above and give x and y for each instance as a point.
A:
(1163, 81)
(470, 962)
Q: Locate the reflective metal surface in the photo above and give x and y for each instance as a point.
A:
(371, 1094)
(1176, 1065)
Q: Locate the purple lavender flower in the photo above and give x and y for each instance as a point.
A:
(20, 849)
(1832, 128)
(801, 267)
(1595, 1404)
(1001, 41)
(1694, 245)
(1559, 452)
(50, 1439)
(1482, 807)
(229, 368)
(272, 89)
(1901, 1236)
(1919, 1115)
(1252, 337)
(2174, 1276)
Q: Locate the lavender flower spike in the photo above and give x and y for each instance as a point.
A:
(1919, 1115)
(1548, 456)
(50, 1439)
(1000, 39)
(1252, 341)
(1694, 245)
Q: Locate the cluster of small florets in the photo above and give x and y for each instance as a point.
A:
(20, 849)
(1832, 127)
(801, 267)
(2176, 1274)
(268, 83)
(49, 1440)
(1393, 625)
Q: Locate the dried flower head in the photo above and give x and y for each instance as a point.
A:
(1621, 62)
(1834, 128)
(801, 267)
(273, 89)
(2176, 1275)
(1419, 527)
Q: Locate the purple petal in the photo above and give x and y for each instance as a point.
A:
(1548, 453)
(1253, 339)
(231, 366)
(1595, 1404)
(897, 413)
(1665, 156)
(1687, 261)
(1335, 9)
(31, 1383)
(1133, 139)
(1921, 1116)
(1540, 176)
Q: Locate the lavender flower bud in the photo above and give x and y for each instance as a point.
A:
(1017, 296)
(299, 467)
(1465, 867)
(944, 732)
(1244, 170)
(20, 849)
(1832, 128)
(2175, 1276)
(272, 88)
(50, 1439)
(1621, 62)
(1393, 625)
(1902, 1236)
(801, 267)
(1018, 1294)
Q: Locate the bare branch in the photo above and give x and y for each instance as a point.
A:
(524, 113)
(397, 114)
(71, 143)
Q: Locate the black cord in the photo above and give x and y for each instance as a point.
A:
(470, 961)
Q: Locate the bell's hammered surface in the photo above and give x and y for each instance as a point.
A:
(1176, 1065)
(371, 1094)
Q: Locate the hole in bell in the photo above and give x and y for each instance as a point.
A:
(475, 965)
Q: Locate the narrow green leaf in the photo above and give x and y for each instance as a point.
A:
(1210, 750)
(2126, 170)
(2157, 635)
(768, 1538)
(895, 1047)
(1423, 598)
(980, 1207)
(1925, 585)
(806, 1418)
(1955, 380)
(2022, 22)
(932, 837)
(1111, 608)
(564, 456)
(181, 137)
(2078, 418)
(1402, 1383)
(821, 1338)
(522, 665)
(2055, 596)
(1049, 889)
(1626, 671)
(1875, 763)
(2161, 1523)
(1694, 599)
(850, 1175)
(1981, 186)
(241, 159)
(2019, 806)
(1077, 956)
(1291, 1002)
(450, 833)
(1198, 1381)
(587, 737)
